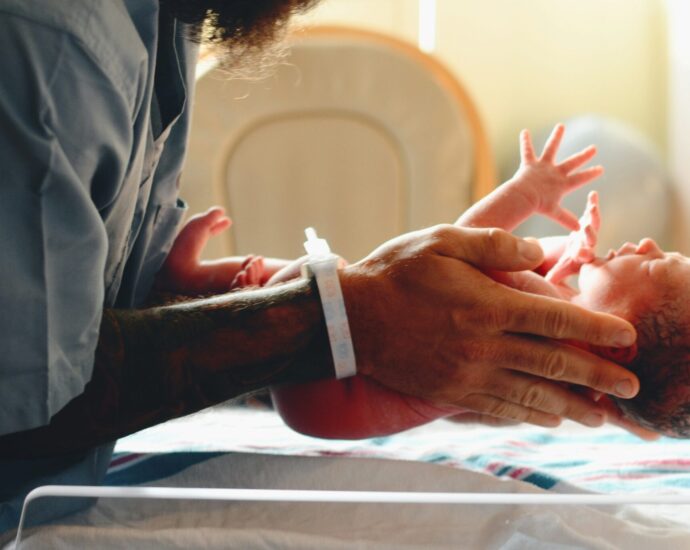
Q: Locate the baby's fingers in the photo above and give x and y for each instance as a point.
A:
(577, 160)
(584, 176)
(563, 269)
(565, 217)
(593, 210)
(527, 154)
(553, 143)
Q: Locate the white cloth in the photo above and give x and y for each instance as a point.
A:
(115, 524)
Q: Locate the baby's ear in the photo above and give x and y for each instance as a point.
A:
(622, 356)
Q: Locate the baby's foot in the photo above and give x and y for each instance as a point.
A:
(250, 274)
(183, 270)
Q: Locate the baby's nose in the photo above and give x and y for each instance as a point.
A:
(648, 246)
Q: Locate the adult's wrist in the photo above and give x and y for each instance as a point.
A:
(354, 286)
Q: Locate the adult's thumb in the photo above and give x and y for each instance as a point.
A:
(499, 250)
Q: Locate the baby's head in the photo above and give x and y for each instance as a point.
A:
(651, 289)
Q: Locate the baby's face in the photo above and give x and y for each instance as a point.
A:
(633, 279)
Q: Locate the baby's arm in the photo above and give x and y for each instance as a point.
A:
(537, 187)
(580, 244)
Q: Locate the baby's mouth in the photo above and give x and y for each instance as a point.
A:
(625, 250)
(610, 255)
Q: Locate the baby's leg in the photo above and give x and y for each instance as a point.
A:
(185, 272)
(190, 242)
(181, 266)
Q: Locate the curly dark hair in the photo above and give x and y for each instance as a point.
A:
(247, 33)
(663, 367)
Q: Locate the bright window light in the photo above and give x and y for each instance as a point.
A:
(427, 25)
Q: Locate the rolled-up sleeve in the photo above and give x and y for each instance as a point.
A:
(65, 143)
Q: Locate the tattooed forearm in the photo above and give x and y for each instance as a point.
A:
(155, 364)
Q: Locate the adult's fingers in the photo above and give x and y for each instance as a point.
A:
(616, 417)
(560, 362)
(495, 406)
(545, 396)
(553, 318)
(488, 248)
(481, 418)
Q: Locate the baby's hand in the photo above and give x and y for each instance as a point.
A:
(580, 245)
(545, 183)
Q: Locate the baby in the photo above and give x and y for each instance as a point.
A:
(638, 282)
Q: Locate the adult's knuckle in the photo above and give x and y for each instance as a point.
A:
(534, 397)
(496, 241)
(494, 316)
(443, 233)
(595, 378)
(554, 365)
(503, 409)
(468, 354)
(557, 323)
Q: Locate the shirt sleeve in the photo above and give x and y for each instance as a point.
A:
(65, 141)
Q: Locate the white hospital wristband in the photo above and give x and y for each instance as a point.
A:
(323, 265)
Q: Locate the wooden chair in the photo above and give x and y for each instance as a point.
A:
(358, 134)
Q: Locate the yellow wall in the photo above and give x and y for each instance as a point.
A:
(529, 63)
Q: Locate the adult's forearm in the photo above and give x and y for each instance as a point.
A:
(156, 364)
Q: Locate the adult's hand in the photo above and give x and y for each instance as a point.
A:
(426, 321)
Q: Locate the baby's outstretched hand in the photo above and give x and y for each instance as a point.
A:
(580, 245)
(545, 183)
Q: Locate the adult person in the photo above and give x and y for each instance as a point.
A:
(94, 109)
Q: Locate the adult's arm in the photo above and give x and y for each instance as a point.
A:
(155, 364)
(468, 342)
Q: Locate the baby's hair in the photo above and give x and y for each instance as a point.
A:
(663, 367)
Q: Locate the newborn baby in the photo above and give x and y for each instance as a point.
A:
(638, 282)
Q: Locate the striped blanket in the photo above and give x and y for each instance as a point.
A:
(569, 459)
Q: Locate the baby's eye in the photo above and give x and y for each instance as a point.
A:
(657, 268)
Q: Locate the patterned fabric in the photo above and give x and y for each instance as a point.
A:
(569, 459)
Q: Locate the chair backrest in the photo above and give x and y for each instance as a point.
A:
(360, 135)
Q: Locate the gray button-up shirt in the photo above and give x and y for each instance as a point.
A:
(93, 126)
